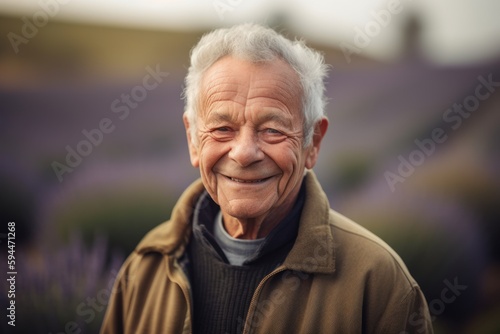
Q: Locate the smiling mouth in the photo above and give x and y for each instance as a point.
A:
(248, 181)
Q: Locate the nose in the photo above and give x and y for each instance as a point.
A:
(245, 149)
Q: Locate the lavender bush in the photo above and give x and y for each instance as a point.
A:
(65, 289)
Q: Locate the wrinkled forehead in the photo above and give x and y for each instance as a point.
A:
(272, 83)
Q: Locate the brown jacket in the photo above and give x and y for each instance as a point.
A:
(338, 278)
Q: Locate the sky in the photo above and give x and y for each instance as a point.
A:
(452, 32)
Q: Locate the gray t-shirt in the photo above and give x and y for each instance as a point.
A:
(237, 251)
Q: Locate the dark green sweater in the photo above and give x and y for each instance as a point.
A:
(222, 292)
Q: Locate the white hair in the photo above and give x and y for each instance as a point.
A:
(259, 44)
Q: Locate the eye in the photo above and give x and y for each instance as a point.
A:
(222, 133)
(222, 130)
(272, 136)
(273, 131)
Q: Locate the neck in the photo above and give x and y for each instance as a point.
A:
(254, 228)
(250, 229)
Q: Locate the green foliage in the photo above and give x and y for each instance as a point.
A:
(123, 214)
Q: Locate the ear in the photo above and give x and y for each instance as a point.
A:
(193, 148)
(319, 132)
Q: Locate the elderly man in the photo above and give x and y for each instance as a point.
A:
(253, 246)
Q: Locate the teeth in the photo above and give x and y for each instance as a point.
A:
(243, 181)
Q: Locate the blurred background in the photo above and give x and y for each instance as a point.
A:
(92, 158)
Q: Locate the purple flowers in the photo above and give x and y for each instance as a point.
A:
(63, 287)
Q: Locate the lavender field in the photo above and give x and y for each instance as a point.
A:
(401, 158)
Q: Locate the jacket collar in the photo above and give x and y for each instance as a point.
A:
(313, 251)
(172, 236)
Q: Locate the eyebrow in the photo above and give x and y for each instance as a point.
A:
(274, 116)
(218, 117)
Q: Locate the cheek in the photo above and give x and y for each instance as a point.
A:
(287, 157)
(210, 154)
(208, 178)
(290, 161)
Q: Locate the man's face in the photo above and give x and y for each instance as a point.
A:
(250, 138)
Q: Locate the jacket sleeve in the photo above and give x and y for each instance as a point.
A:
(395, 302)
(410, 316)
(418, 319)
(116, 310)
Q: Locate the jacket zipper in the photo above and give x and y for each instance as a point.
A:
(253, 301)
